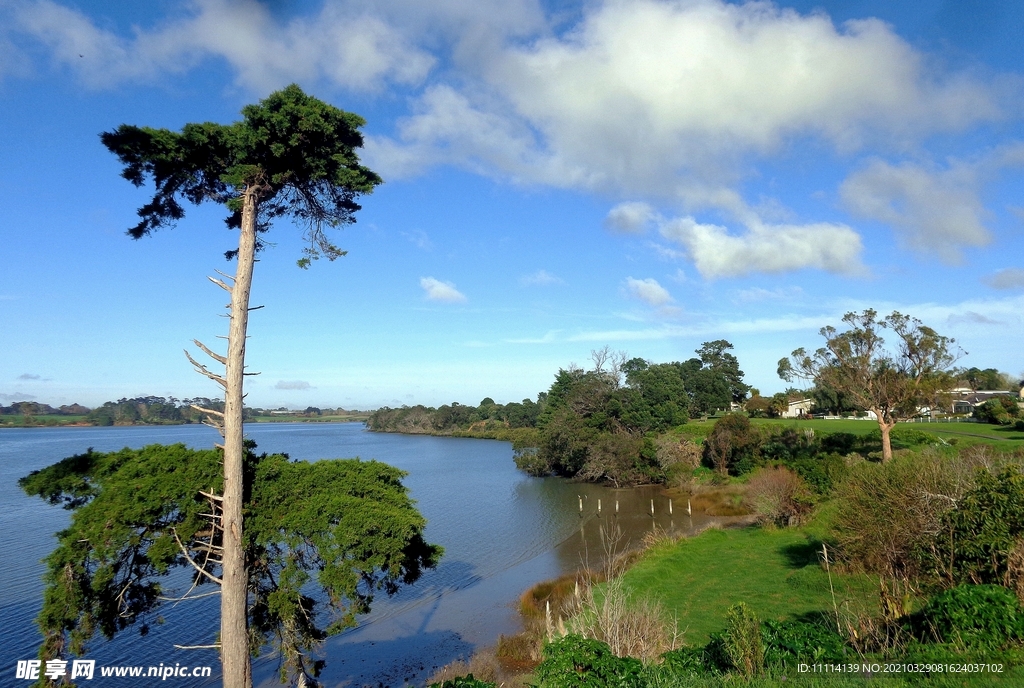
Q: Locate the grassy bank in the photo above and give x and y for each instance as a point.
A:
(776, 572)
(966, 433)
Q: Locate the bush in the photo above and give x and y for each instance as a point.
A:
(578, 662)
(733, 446)
(789, 642)
(999, 411)
(886, 512)
(778, 495)
(972, 617)
(743, 640)
(977, 539)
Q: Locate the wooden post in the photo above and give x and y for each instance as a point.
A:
(581, 505)
(598, 506)
(670, 507)
(616, 506)
(688, 511)
(652, 508)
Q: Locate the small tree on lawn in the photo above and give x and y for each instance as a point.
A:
(291, 154)
(893, 384)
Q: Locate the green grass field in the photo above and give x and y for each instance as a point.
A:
(964, 432)
(776, 572)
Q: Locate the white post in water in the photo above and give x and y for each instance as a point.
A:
(688, 512)
(670, 507)
(581, 505)
(598, 506)
(616, 506)
(652, 508)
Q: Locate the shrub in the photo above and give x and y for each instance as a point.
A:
(778, 495)
(972, 617)
(532, 463)
(733, 446)
(977, 539)
(999, 411)
(788, 642)
(635, 628)
(742, 640)
(578, 662)
(887, 512)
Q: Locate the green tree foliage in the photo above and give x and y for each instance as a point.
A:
(346, 528)
(999, 411)
(988, 379)
(601, 424)
(893, 384)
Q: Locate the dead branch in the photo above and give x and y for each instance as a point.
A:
(186, 597)
(189, 559)
(202, 370)
(221, 284)
(198, 647)
(217, 357)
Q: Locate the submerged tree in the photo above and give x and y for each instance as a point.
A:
(347, 526)
(893, 384)
(291, 154)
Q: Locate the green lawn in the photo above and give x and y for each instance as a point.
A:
(964, 432)
(776, 572)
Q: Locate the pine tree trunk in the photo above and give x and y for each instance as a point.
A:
(234, 636)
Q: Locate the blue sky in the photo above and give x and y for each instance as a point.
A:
(560, 176)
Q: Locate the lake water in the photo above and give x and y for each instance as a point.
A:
(502, 532)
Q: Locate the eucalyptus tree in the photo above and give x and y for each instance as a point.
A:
(892, 382)
(290, 155)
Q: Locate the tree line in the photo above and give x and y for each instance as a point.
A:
(599, 424)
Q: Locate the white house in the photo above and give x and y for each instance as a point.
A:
(798, 408)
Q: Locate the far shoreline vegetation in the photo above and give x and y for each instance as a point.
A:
(153, 410)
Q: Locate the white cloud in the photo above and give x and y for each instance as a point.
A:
(541, 278)
(630, 218)
(649, 291)
(666, 98)
(344, 45)
(933, 211)
(441, 291)
(1008, 278)
(766, 248)
(292, 384)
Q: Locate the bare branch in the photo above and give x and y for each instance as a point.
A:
(217, 357)
(198, 647)
(202, 370)
(206, 410)
(187, 597)
(220, 283)
(214, 497)
(189, 559)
